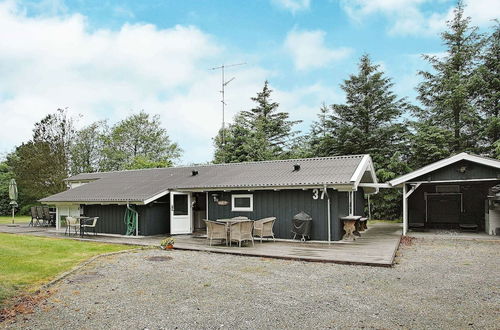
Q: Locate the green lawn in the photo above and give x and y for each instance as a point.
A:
(18, 219)
(26, 262)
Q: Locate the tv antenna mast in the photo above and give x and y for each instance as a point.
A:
(224, 83)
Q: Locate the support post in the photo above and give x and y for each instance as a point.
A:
(58, 218)
(405, 210)
(369, 208)
(328, 214)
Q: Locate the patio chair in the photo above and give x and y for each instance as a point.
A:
(264, 228)
(241, 231)
(72, 223)
(39, 214)
(34, 217)
(90, 224)
(216, 230)
(46, 216)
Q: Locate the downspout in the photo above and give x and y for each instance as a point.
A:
(328, 214)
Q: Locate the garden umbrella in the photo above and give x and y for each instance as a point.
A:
(13, 194)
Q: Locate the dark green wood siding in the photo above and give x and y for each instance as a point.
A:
(154, 218)
(474, 196)
(452, 172)
(284, 204)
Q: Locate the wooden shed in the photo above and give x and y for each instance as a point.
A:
(450, 193)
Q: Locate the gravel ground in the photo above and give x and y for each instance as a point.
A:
(436, 284)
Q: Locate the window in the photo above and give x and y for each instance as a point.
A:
(242, 203)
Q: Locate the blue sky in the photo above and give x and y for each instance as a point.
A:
(108, 59)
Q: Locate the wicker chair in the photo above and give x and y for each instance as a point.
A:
(241, 231)
(72, 223)
(216, 230)
(264, 228)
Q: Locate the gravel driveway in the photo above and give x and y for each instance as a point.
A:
(436, 284)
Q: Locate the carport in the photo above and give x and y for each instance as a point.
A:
(450, 193)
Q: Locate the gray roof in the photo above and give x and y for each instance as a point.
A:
(142, 185)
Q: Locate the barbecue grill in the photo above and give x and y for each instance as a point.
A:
(301, 225)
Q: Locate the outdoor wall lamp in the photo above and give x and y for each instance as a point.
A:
(215, 197)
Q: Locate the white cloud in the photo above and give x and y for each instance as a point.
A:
(57, 61)
(414, 17)
(293, 5)
(308, 49)
(482, 12)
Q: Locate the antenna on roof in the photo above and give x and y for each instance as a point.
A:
(224, 83)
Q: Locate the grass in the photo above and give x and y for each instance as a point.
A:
(27, 262)
(18, 219)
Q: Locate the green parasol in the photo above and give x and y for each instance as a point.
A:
(13, 194)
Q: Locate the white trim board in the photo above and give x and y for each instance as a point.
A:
(442, 163)
(365, 164)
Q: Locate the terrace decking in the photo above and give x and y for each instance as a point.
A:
(376, 247)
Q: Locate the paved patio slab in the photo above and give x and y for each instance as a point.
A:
(376, 247)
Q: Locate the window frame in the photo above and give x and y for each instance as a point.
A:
(239, 208)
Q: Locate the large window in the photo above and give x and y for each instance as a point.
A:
(242, 203)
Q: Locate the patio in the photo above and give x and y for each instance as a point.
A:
(376, 247)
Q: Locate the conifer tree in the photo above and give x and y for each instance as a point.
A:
(448, 92)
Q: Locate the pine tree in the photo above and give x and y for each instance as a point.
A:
(448, 91)
(275, 126)
(263, 133)
(488, 97)
(367, 122)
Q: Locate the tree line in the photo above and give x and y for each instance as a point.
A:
(58, 150)
(458, 111)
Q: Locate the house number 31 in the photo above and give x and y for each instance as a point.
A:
(316, 194)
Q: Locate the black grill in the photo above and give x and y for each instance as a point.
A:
(301, 225)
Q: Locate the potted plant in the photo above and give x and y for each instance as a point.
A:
(167, 243)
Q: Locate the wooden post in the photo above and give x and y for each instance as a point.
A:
(405, 210)
(58, 219)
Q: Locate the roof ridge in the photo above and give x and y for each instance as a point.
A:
(228, 164)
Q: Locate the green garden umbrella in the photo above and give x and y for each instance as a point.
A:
(13, 194)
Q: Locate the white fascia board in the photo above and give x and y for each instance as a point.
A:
(155, 197)
(442, 163)
(375, 185)
(366, 163)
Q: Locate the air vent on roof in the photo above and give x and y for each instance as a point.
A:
(296, 167)
(194, 172)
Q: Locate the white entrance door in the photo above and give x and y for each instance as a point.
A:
(180, 213)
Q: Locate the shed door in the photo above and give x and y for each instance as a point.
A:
(180, 213)
(444, 208)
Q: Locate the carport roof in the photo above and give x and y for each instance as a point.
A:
(495, 163)
(144, 186)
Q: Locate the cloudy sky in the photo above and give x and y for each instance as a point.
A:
(105, 59)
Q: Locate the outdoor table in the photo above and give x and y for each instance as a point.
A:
(82, 220)
(228, 223)
(350, 226)
(362, 224)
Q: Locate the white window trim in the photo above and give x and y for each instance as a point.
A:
(242, 209)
